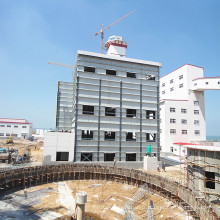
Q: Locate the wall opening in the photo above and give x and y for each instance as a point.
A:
(87, 135)
(150, 114)
(110, 111)
(130, 136)
(109, 135)
(89, 69)
(88, 109)
(130, 156)
(111, 72)
(131, 75)
(210, 178)
(131, 113)
(151, 137)
(86, 156)
(150, 77)
(62, 156)
(109, 156)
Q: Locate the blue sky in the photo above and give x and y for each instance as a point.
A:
(34, 32)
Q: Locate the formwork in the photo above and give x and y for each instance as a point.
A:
(11, 180)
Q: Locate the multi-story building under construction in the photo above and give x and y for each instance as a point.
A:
(114, 109)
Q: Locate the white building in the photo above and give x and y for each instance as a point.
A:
(18, 128)
(182, 107)
(115, 108)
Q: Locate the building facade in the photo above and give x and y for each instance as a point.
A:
(182, 107)
(115, 106)
(18, 128)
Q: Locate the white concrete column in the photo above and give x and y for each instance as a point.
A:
(81, 199)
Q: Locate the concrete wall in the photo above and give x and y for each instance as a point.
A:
(58, 142)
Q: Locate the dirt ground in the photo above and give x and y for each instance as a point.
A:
(22, 145)
(106, 199)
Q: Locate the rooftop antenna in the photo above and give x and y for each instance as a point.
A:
(103, 29)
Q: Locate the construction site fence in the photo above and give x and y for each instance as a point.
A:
(195, 205)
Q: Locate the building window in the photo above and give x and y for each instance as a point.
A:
(196, 103)
(218, 82)
(184, 121)
(1, 134)
(150, 77)
(89, 69)
(130, 136)
(171, 81)
(131, 75)
(2, 126)
(62, 156)
(150, 114)
(163, 84)
(86, 157)
(87, 135)
(131, 113)
(206, 83)
(181, 76)
(151, 137)
(183, 110)
(197, 132)
(110, 111)
(171, 149)
(184, 131)
(7, 135)
(15, 126)
(88, 109)
(196, 122)
(172, 110)
(171, 89)
(210, 180)
(130, 156)
(181, 85)
(14, 135)
(111, 72)
(172, 131)
(195, 84)
(163, 92)
(196, 112)
(109, 135)
(24, 126)
(109, 156)
(172, 121)
(8, 126)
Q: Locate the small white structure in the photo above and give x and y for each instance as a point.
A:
(150, 163)
(182, 107)
(18, 128)
(81, 200)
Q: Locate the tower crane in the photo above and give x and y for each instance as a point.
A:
(103, 29)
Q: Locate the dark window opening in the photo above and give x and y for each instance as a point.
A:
(130, 157)
(131, 113)
(88, 109)
(132, 75)
(150, 114)
(111, 72)
(150, 77)
(87, 135)
(110, 111)
(210, 178)
(109, 135)
(109, 156)
(89, 69)
(62, 156)
(86, 156)
(130, 136)
(151, 137)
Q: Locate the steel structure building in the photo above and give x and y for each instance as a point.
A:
(115, 106)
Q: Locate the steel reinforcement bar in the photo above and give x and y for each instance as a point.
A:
(25, 177)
